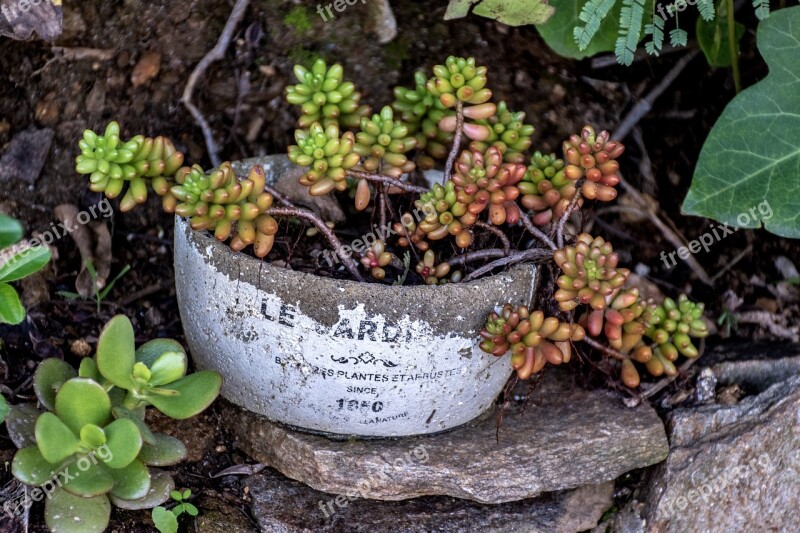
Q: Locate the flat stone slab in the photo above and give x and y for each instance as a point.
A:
(282, 505)
(567, 438)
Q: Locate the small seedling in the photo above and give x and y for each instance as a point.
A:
(17, 260)
(166, 520)
(99, 294)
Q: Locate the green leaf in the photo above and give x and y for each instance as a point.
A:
(31, 468)
(593, 14)
(630, 29)
(161, 484)
(148, 352)
(748, 172)
(164, 520)
(67, 513)
(712, 36)
(191, 510)
(124, 442)
(50, 375)
(187, 494)
(116, 352)
(88, 369)
(55, 440)
(511, 12)
(21, 424)
(24, 263)
(89, 479)
(166, 451)
(171, 366)
(762, 8)
(11, 310)
(10, 231)
(4, 408)
(81, 401)
(706, 9)
(137, 417)
(92, 436)
(558, 31)
(197, 391)
(131, 482)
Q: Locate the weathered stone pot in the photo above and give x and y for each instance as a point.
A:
(338, 356)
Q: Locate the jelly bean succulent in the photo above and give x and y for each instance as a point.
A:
(486, 211)
(91, 447)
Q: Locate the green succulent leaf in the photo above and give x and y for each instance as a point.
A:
(164, 520)
(712, 36)
(10, 231)
(165, 451)
(92, 436)
(161, 484)
(196, 392)
(90, 481)
(55, 440)
(88, 369)
(171, 366)
(30, 467)
(11, 310)
(148, 352)
(131, 482)
(4, 408)
(24, 263)
(116, 352)
(67, 513)
(21, 424)
(50, 375)
(124, 442)
(751, 158)
(81, 401)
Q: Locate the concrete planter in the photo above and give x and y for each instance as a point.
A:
(338, 356)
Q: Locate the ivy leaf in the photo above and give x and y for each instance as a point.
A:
(511, 12)
(751, 158)
(712, 36)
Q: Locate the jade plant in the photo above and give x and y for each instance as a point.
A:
(494, 205)
(18, 259)
(91, 446)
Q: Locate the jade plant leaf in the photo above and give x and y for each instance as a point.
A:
(55, 440)
(148, 352)
(10, 231)
(67, 513)
(751, 158)
(161, 484)
(88, 369)
(48, 378)
(131, 482)
(116, 352)
(124, 442)
(165, 451)
(24, 263)
(81, 401)
(21, 424)
(712, 36)
(89, 479)
(171, 366)
(11, 310)
(137, 417)
(196, 392)
(31, 468)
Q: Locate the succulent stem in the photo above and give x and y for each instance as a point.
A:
(448, 168)
(379, 178)
(536, 232)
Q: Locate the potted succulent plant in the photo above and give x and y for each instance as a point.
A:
(380, 336)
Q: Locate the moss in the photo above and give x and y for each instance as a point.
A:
(301, 56)
(298, 20)
(396, 52)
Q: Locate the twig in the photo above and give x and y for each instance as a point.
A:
(147, 291)
(536, 232)
(448, 168)
(216, 53)
(643, 106)
(278, 196)
(741, 255)
(379, 178)
(534, 254)
(497, 233)
(325, 230)
(381, 205)
(605, 349)
(573, 204)
(489, 253)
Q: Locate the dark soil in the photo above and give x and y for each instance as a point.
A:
(242, 99)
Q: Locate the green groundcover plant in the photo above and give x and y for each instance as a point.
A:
(18, 259)
(91, 446)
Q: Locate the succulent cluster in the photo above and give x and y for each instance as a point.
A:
(112, 163)
(593, 156)
(444, 215)
(436, 274)
(221, 203)
(383, 143)
(508, 132)
(325, 97)
(590, 273)
(459, 80)
(375, 258)
(533, 339)
(94, 428)
(545, 188)
(328, 155)
(671, 326)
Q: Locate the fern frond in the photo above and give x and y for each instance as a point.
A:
(656, 30)
(593, 14)
(678, 37)
(706, 8)
(630, 28)
(762, 8)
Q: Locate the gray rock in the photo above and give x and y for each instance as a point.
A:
(571, 439)
(286, 506)
(755, 366)
(219, 516)
(731, 468)
(26, 155)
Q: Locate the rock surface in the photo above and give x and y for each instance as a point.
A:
(286, 506)
(731, 468)
(25, 156)
(570, 439)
